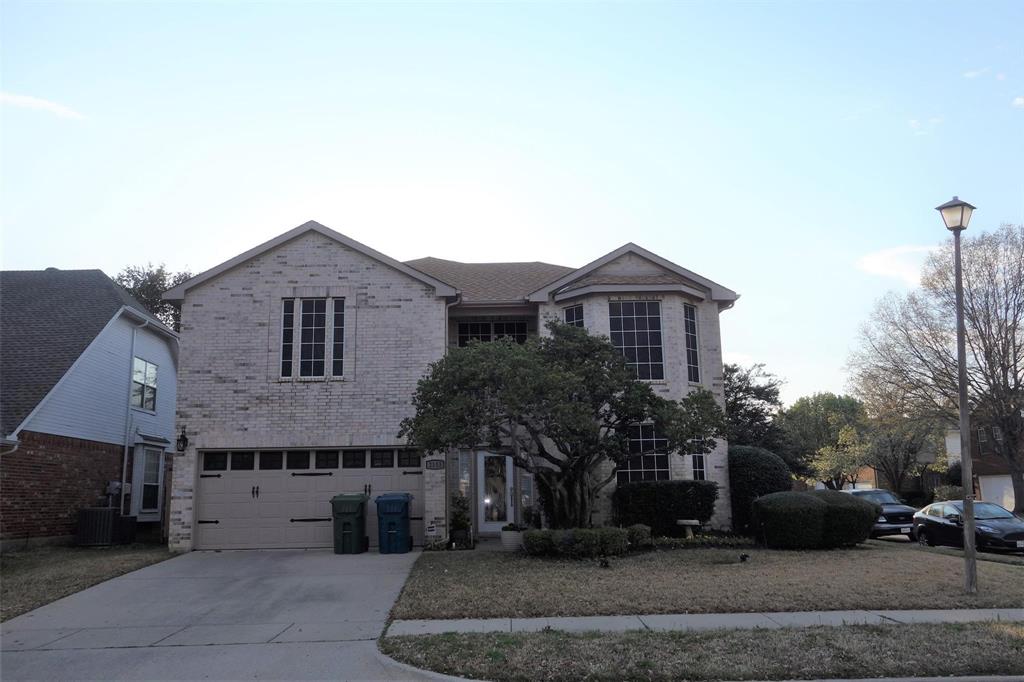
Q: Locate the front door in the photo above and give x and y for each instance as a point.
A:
(494, 500)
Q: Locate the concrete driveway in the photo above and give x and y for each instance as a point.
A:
(276, 614)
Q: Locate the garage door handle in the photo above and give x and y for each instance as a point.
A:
(309, 520)
(412, 473)
(209, 475)
(314, 473)
(201, 521)
(415, 518)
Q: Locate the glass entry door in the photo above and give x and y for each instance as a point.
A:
(494, 500)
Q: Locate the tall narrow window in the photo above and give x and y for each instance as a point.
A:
(151, 475)
(312, 341)
(700, 472)
(287, 337)
(143, 384)
(648, 456)
(636, 332)
(574, 316)
(692, 358)
(338, 344)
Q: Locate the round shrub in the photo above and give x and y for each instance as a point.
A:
(614, 541)
(754, 472)
(848, 519)
(539, 542)
(789, 520)
(948, 492)
(638, 535)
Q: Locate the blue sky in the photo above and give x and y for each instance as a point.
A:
(791, 151)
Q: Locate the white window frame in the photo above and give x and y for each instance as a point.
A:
(626, 470)
(142, 451)
(146, 364)
(696, 342)
(296, 339)
(582, 322)
(703, 468)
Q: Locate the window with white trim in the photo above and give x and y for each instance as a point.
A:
(490, 331)
(692, 356)
(636, 332)
(152, 476)
(574, 316)
(315, 337)
(648, 456)
(143, 384)
(700, 472)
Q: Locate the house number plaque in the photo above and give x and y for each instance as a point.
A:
(434, 464)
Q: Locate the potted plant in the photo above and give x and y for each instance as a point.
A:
(512, 537)
(460, 524)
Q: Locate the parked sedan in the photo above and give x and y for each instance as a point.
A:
(896, 519)
(996, 528)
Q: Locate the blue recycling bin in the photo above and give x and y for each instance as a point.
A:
(393, 534)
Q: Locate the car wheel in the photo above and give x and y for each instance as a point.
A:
(923, 539)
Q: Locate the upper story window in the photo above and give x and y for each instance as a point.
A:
(699, 464)
(574, 316)
(489, 331)
(143, 384)
(692, 357)
(314, 336)
(648, 456)
(636, 331)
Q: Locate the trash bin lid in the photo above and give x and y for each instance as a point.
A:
(393, 503)
(349, 502)
(394, 496)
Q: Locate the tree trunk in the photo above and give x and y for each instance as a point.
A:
(1017, 479)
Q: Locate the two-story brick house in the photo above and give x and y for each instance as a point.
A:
(299, 359)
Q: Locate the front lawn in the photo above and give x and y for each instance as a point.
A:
(476, 584)
(31, 578)
(792, 653)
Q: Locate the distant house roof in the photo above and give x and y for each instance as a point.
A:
(47, 319)
(491, 282)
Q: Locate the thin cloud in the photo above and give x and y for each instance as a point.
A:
(1000, 76)
(899, 262)
(1017, 103)
(28, 102)
(976, 72)
(925, 127)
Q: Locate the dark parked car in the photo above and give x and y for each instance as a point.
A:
(996, 528)
(896, 519)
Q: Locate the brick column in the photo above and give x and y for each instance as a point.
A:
(435, 508)
(180, 526)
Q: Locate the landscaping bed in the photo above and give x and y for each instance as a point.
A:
(875, 576)
(793, 653)
(31, 578)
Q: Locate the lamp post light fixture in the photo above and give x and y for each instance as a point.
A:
(956, 214)
(182, 443)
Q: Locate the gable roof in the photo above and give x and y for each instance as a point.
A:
(47, 319)
(178, 293)
(491, 282)
(574, 279)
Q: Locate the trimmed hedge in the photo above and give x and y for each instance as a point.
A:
(659, 504)
(577, 543)
(948, 492)
(848, 519)
(789, 520)
(639, 535)
(818, 519)
(754, 472)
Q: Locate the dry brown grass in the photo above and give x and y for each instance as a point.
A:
(492, 585)
(794, 653)
(31, 578)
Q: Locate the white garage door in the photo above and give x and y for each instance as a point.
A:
(997, 489)
(277, 499)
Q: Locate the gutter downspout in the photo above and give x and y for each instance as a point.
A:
(447, 308)
(128, 414)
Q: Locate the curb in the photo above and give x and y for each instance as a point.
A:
(420, 673)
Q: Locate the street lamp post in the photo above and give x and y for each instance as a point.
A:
(956, 214)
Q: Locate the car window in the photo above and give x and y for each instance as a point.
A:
(987, 510)
(933, 510)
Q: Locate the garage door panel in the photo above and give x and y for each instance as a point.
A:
(279, 516)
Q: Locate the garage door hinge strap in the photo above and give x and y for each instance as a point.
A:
(209, 475)
(309, 520)
(412, 473)
(201, 521)
(314, 473)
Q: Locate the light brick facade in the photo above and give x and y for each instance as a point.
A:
(231, 394)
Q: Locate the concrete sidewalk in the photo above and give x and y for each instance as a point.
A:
(702, 621)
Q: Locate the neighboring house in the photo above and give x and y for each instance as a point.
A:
(300, 358)
(87, 394)
(991, 472)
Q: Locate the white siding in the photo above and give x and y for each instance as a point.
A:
(90, 402)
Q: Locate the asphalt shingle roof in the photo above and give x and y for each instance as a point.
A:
(480, 282)
(47, 318)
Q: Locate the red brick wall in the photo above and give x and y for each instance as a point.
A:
(48, 479)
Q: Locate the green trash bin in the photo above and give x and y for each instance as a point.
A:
(349, 511)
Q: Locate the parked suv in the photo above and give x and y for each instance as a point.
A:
(995, 528)
(896, 518)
